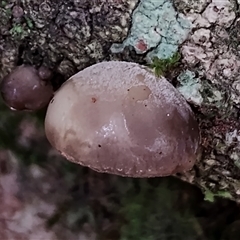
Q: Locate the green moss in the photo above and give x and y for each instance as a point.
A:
(3, 3)
(29, 22)
(161, 66)
(18, 31)
(210, 196)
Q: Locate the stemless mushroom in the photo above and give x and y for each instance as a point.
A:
(119, 118)
(24, 89)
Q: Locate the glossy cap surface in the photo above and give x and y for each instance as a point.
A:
(23, 89)
(119, 118)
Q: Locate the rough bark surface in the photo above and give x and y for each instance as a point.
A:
(68, 36)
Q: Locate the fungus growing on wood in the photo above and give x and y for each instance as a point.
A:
(24, 89)
(119, 118)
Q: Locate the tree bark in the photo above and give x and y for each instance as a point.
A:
(67, 36)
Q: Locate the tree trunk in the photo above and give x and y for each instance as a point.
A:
(67, 36)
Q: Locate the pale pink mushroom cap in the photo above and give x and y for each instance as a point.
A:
(24, 89)
(119, 118)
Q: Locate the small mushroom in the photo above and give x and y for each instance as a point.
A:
(119, 118)
(24, 89)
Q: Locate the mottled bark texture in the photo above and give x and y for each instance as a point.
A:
(66, 36)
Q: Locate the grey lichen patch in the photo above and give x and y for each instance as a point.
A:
(211, 52)
(233, 139)
(157, 29)
(220, 12)
(186, 6)
(207, 12)
(214, 50)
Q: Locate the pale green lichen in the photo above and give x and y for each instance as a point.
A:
(190, 87)
(156, 25)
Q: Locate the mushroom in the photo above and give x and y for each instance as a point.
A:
(119, 118)
(24, 89)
